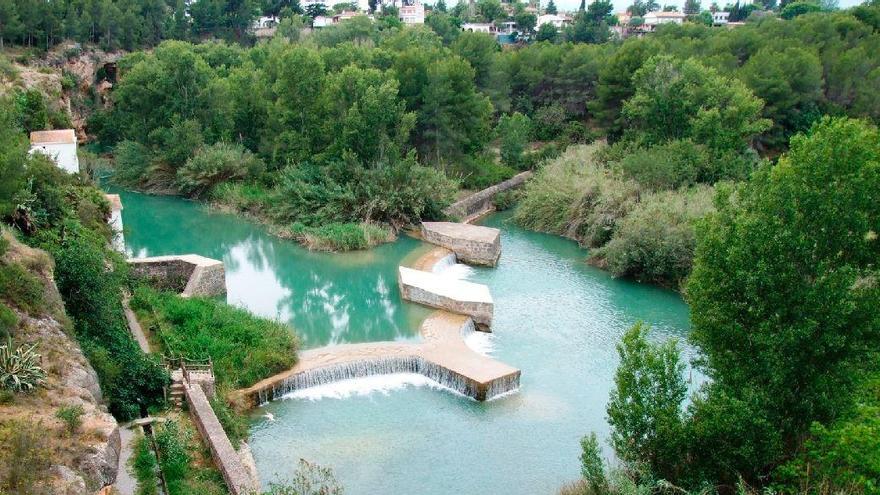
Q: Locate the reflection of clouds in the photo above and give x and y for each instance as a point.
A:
(253, 285)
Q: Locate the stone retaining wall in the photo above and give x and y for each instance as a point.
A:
(481, 202)
(238, 479)
(189, 274)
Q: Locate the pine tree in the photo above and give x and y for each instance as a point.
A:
(550, 8)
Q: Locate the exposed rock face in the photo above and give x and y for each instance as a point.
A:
(86, 460)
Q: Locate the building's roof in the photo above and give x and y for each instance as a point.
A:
(59, 136)
(666, 14)
(115, 201)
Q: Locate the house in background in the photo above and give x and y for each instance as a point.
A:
(479, 27)
(412, 12)
(59, 145)
(720, 18)
(558, 21)
(654, 19)
(115, 222)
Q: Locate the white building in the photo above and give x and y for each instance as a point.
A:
(322, 21)
(654, 19)
(59, 145)
(412, 12)
(478, 27)
(557, 21)
(265, 22)
(720, 18)
(115, 222)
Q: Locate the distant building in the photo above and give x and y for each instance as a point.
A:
(344, 16)
(115, 222)
(265, 22)
(412, 12)
(720, 18)
(557, 21)
(654, 19)
(478, 27)
(59, 145)
(322, 21)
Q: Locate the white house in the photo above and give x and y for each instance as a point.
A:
(720, 18)
(558, 21)
(654, 19)
(115, 222)
(479, 27)
(59, 145)
(265, 22)
(322, 21)
(412, 12)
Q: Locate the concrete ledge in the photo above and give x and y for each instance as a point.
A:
(456, 296)
(480, 202)
(471, 244)
(189, 274)
(238, 479)
(443, 357)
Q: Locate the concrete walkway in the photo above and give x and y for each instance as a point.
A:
(126, 484)
(135, 327)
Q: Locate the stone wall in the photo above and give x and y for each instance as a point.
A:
(456, 296)
(189, 274)
(471, 244)
(481, 202)
(238, 479)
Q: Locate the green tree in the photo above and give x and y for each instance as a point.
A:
(491, 10)
(10, 23)
(677, 99)
(514, 131)
(795, 9)
(547, 32)
(783, 298)
(644, 409)
(550, 8)
(479, 50)
(692, 7)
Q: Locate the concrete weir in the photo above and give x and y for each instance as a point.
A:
(456, 296)
(190, 274)
(443, 357)
(472, 244)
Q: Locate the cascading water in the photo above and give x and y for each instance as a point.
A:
(479, 342)
(386, 366)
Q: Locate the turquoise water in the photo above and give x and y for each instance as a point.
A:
(556, 319)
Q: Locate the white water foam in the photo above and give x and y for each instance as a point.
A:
(360, 387)
(449, 267)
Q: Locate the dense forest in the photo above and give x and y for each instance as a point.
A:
(739, 166)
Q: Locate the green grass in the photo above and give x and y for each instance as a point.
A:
(342, 236)
(21, 289)
(144, 465)
(243, 347)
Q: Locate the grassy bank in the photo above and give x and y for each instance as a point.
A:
(244, 348)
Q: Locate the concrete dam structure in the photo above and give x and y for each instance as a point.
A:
(472, 244)
(188, 274)
(443, 357)
(456, 296)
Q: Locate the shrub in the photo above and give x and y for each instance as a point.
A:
(8, 321)
(25, 457)
(506, 200)
(214, 164)
(244, 348)
(575, 197)
(247, 197)
(666, 166)
(483, 172)
(143, 463)
(172, 445)
(656, 241)
(342, 236)
(514, 131)
(309, 479)
(20, 288)
(235, 425)
(550, 121)
(132, 163)
(20, 369)
(71, 416)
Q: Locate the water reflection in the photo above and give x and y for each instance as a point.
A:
(328, 298)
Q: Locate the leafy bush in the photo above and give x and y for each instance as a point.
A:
(666, 166)
(506, 200)
(247, 197)
(244, 348)
(132, 163)
(20, 369)
(656, 241)
(342, 236)
(309, 479)
(8, 321)
(214, 164)
(482, 172)
(514, 131)
(143, 463)
(575, 197)
(71, 416)
(20, 289)
(172, 444)
(549, 122)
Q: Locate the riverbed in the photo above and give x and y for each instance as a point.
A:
(556, 318)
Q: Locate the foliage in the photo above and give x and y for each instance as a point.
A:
(342, 236)
(655, 242)
(309, 479)
(20, 369)
(244, 350)
(482, 172)
(644, 408)
(592, 464)
(677, 99)
(549, 121)
(8, 321)
(782, 296)
(795, 9)
(514, 131)
(214, 164)
(667, 166)
(20, 288)
(71, 416)
(172, 443)
(25, 457)
(235, 425)
(143, 463)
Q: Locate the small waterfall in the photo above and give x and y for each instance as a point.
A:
(386, 366)
(479, 342)
(503, 386)
(444, 263)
